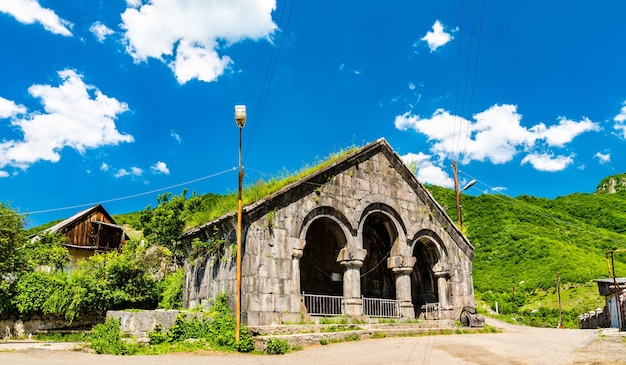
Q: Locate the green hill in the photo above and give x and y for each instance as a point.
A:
(521, 243)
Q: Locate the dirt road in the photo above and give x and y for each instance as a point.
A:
(515, 345)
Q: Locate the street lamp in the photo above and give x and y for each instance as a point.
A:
(458, 193)
(240, 119)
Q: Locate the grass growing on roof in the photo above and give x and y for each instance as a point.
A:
(218, 205)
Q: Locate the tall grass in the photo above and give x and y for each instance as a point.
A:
(216, 206)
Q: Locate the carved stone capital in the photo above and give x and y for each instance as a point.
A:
(442, 274)
(351, 263)
(351, 253)
(297, 253)
(401, 262)
(402, 270)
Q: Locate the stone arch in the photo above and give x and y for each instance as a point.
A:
(323, 235)
(381, 234)
(327, 212)
(430, 276)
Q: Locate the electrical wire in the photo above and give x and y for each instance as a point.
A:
(458, 73)
(129, 196)
(467, 65)
(267, 82)
(480, 33)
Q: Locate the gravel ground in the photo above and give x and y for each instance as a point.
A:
(515, 345)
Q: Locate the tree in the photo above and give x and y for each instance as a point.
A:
(165, 223)
(13, 239)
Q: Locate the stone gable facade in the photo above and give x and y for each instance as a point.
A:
(362, 228)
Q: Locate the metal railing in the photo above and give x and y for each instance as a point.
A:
(323, 304)
(384, 308)
(432, 310)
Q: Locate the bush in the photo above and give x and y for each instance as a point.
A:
(276, 346)
(172, 290)
(106, 338)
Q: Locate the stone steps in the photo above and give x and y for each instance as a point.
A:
(312, 334)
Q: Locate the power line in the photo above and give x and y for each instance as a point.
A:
(467, 65)
(458, 74)
(128, 196)
(267, 82)
(480, 33)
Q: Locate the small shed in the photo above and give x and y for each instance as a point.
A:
(606, 288)
(89, 231)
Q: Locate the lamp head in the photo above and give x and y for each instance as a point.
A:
(240, 115)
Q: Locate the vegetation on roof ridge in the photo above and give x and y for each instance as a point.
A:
(216, 206)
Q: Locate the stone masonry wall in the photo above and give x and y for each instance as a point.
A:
(273, 243)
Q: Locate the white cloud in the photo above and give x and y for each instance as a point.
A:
(160, 168)
(3, 174)
(75, 115)
(437, 38)
(547, 162)
(176, 136)
(564, 132)
(9, 109)
(135, 171)
(134, 3)
(104, 167)
(495, 135)
(29, 12)
(100, 31)
(188, 35)
(603, 158)
(621, 117)
(426, 171)
(499, 189)
(121, 173)
(620, 120)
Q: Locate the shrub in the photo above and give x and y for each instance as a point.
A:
(276, 346)
(106, 339)
(172, 290)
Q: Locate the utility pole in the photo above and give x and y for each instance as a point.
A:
(459, 216)
(458, 191)
(558, 294)
(513, 300)
(240, 119)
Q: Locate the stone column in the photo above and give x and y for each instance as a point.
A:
(351, 258)
(442, 287)
(295, 268)
(402, 267)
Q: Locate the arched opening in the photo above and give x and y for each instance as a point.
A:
(379, 235)
(320, 273)
(423, 282)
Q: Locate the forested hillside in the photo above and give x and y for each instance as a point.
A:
(521, 243)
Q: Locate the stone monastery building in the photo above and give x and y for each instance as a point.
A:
(360, 237)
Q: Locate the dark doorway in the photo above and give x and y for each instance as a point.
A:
(320, 273)
(379, 234)
(423, 285)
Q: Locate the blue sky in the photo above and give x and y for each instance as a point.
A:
(118, 101)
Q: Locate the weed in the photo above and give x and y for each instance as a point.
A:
(323, 341)
(106, 338)
(276, 346)
(379, 335)
(352, 337)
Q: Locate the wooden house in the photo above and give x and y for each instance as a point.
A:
(92, 230)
